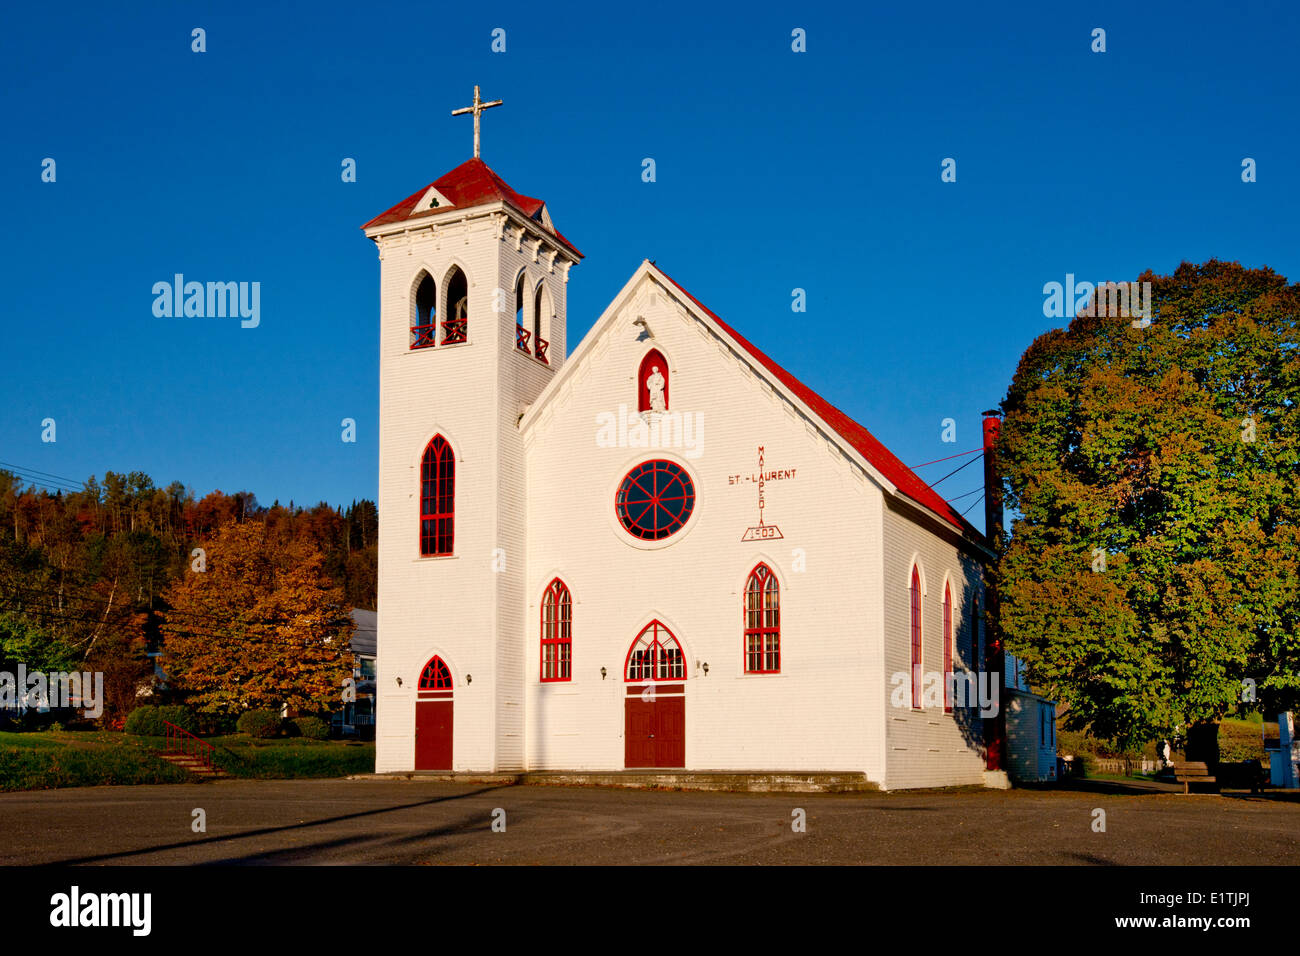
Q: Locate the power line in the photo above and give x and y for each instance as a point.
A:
(46, 474)
(949, 458)
(967, 495)
(975, 502)
(953, 472)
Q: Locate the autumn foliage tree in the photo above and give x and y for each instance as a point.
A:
(1151, 579)
(261, 626)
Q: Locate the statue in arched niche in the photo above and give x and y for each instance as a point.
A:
(655, 388)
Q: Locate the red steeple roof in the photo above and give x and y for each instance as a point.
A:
(867, 445)
(472, 183)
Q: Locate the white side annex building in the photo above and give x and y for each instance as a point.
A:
(657, 550)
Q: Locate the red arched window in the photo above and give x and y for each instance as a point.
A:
(916, 637)
(655, 655)
(557, 632)
(435, 676)
(947, 649)
(762, 622)
(437, 498)
(651, 380)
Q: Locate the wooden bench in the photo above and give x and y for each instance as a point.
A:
(1190, 773)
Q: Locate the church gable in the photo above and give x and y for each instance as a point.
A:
(651, 290)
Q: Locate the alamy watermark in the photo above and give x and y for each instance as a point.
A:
(965, 689)
(41, 692)
(1121, 300)
(212, 300)
(629, 429)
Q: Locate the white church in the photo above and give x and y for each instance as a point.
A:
(656, 550)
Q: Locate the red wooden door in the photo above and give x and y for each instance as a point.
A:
(433, 734)
(654, 732)
(638, 733)
(670, 732)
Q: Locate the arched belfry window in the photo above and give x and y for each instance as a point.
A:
(762, 622)
(915, 593)
(652, 383)
(557, 632)
(455, 328)
(424, 325)
(541, 316)
(437, 498)
(521, 333)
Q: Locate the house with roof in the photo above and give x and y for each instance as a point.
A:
(657, 550)
(356, 716)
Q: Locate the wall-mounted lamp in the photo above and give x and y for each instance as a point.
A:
(399, 682)
(706, 668)
(641, 322)
(469, 678)
(602, 673)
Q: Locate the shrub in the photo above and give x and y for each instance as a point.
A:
(313, 728)
(215, 725)
(259, 723)
(145, 721)
(181, 716)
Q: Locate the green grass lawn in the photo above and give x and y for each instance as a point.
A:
(59, 758)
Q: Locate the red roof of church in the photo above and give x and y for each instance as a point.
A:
(880, 457)
(472, 183)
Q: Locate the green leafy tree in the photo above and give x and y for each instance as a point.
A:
(1171, 453)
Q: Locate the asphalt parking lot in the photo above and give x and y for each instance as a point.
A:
(419, 822)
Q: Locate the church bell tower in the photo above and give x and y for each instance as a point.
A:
(473, 280)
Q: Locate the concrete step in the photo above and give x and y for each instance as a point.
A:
(193, 764)
(793, 781)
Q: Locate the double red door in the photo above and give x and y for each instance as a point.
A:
(654, 728)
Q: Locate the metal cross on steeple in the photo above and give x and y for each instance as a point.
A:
(477, 109)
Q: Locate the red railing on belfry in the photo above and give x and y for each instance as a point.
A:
(183, 743)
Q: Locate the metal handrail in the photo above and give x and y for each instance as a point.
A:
(180, 741)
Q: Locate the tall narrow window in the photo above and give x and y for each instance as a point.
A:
(557, 632)
(541, 313)
(947, 649)
(521, 334)
(437, 498)
(424, 328)
(916, 637)
(762, 622)
(652, 383)
(456, 326)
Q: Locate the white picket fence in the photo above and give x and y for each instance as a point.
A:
(1109, 765)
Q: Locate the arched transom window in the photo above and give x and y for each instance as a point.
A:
(762, 622)
(435, 676)
(655, 655)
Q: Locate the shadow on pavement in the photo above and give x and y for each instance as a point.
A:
(264, 831)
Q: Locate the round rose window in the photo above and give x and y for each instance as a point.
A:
(655, 500)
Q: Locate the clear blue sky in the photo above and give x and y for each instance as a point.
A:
(776, 170)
